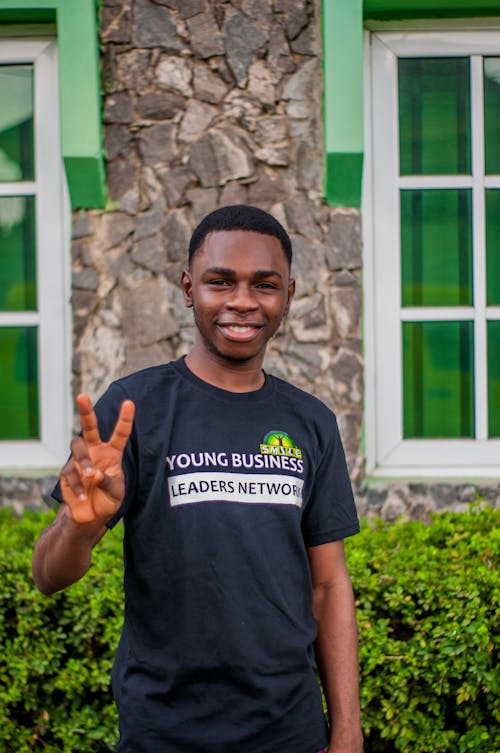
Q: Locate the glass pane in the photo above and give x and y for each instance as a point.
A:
(494, 378)
(436, 247)
(17, 254)
(493, 247)
(492, 115)
(18, 383)
(434, 116)
(17, 154)
(438, 382)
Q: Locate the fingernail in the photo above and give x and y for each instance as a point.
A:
(88, 471)
(82, 497)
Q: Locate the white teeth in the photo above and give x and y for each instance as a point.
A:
(240, 329)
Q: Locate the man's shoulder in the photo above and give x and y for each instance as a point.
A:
(302, 398)
(144, 381)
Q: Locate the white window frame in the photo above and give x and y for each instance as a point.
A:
(53, 270)
(388, 454)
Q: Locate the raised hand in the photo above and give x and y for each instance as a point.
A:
(92, 481)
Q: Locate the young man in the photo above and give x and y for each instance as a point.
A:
(235, 497)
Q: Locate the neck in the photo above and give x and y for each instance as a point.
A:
(234, 377)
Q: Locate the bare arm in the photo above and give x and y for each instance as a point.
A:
(337, 644)
(93, 486)
(63, 553)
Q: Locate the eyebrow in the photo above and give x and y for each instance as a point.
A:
(227, 272)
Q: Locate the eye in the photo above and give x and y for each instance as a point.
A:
(219, 283)
(267, 286)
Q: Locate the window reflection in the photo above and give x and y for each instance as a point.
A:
(16, 123)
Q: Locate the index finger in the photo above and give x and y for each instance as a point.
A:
(123, 427)
(88, 420)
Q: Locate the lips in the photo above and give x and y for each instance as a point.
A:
(240, 332)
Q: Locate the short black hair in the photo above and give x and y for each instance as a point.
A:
(240, 217)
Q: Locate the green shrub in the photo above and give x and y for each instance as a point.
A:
(427, 603)
(56, 652)
(427, 600)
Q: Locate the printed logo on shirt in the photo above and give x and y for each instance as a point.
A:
(280, 443)
(192, 480)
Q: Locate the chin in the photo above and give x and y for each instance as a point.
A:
(233, 352)
(237, 355)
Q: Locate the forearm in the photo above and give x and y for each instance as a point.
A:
(337, 658)
(63, 553)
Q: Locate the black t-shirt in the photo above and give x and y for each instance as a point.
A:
(224, 492)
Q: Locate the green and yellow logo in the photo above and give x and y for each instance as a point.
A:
(279, 443)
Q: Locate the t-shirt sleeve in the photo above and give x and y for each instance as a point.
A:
(107, 409)
(330, 513)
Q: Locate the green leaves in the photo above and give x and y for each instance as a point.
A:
(428, 604)
(56, 652)
(427, 601)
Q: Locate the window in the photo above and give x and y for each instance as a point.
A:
(433, 253)
(34, 388)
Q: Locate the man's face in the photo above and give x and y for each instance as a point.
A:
(239, 287)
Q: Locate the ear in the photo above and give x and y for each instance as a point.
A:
(187, 288)
(291, 293)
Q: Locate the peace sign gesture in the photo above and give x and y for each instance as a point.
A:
(92, 481)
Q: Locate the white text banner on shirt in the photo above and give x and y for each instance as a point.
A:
(249, 488)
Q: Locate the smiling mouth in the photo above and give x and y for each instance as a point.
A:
(240, 331)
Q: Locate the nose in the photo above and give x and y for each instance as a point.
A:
(242, 299)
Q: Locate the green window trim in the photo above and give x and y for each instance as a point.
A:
(343, 100)
(394, 9)
(79, 86)
(343, 79)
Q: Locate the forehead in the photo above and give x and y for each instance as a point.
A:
(241, 249)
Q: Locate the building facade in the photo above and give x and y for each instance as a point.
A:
(371, 130)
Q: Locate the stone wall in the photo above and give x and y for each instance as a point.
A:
(209, 103)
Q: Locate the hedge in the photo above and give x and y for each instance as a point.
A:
(427, 600)
(427, 604)
(56, 652)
